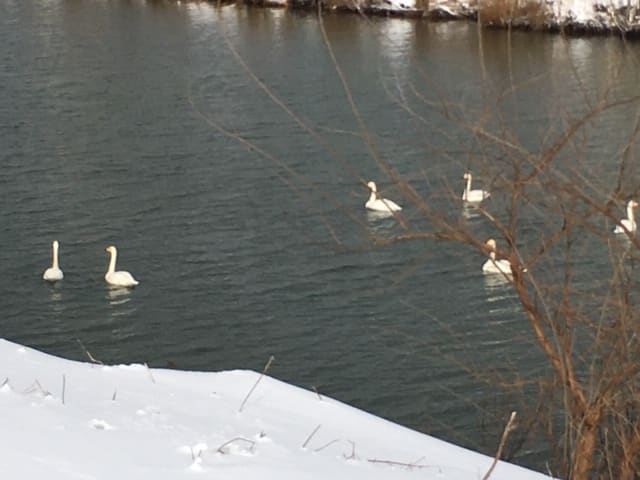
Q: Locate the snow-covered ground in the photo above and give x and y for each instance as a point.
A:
(579, 15)
(71, 420)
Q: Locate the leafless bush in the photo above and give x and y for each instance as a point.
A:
(520, 13)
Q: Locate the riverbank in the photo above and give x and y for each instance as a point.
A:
(567, 16)
(67, 419)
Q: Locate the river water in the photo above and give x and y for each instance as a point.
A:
(146, 125)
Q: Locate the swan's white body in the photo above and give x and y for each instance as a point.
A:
(630, 221)
(379, 204)
(473, 196)
(121, 278)
(494, 265)
(53, 273)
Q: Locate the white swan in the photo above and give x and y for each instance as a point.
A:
(473, 196)
(121, 278)
(379, 204)
(494, 265)
(53, 273)
(630, 221)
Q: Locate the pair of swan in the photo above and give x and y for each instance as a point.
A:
(112, 277)
(630, 222)
(378, 203)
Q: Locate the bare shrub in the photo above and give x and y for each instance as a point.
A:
(519, 13)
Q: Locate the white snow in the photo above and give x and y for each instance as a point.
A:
(596, 15)
(71, 420)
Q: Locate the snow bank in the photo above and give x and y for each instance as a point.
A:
(577, 15)
(73, 420)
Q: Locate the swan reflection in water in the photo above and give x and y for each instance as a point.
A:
(470, 211)
(374, 216)
(381, 224)
(55, 296)
(501, 297)
(497, 281)
(118, 295)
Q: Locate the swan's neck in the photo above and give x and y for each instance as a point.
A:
(112, 262)
(492, 255)
(468, 183)
(55, 256)
(631, 215)
(374, 196)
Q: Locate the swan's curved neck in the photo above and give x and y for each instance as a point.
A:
(468, 183)
(112, 262)
(630, 214)
(55, 256)
(374, 196)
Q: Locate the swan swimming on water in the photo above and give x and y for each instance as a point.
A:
(630, 221)
(379, 204)
(121, 278)
(53, 273)
(473, 196)
(493, 265)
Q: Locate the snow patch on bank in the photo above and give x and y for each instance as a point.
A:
(64, 419)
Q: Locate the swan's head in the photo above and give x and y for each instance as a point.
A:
(466, 175)
(632, 204)
(372, 186)
(55, 244)
(490, 244)
(110, 249)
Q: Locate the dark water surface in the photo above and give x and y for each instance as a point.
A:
(241, 255)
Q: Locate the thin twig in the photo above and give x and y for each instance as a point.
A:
(401, 464)
(317, 392)
(237, 439)
(327, 445)
(150, 374)
(37, 387)
(503, 440)
(88, 353)
(353, 451)
(266, 367)
(311, 435)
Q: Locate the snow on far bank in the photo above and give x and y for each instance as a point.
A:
(590, 15)
(72, 420)
(577, 15)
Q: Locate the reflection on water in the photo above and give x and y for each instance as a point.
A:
(118, 295)
(375, 216)
(470, 211)
(200, 12)
(381, 224)
(55, 295)
(496, 285)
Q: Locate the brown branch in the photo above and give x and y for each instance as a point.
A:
(505, 433)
